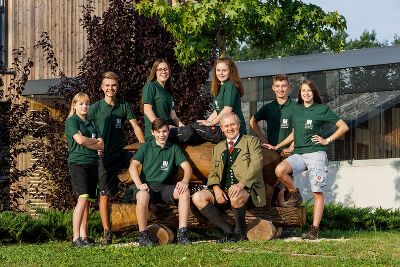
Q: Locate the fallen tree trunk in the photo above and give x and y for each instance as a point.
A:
(124, 215)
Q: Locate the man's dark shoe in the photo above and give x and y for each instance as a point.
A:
(145, 240)
(312, 234)
(107, 237)
(80, 243)
(225, 238)
(236, 237)
(294, 199)
(182, 236)
(288, 233)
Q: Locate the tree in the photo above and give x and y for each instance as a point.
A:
(200, 27)
(367, 40)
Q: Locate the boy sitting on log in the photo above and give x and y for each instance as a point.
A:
(235, 176)
(158, 158)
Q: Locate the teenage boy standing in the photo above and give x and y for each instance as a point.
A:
(110, 114)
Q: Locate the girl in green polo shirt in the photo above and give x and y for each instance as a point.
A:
(83, 146)
(158, 101)
(309, 150)
(227, 90)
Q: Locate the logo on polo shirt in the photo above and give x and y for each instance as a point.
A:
(118, 123)
(164, 165)
(93, 135)
(308, 124)
(285, 123)
(216, 105)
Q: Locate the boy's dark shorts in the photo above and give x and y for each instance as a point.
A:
(84, 179)
(159, 193)
(109, 168)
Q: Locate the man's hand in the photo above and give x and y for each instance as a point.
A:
(235, 189)
(143, 187)
(220, 195)
(182, 187)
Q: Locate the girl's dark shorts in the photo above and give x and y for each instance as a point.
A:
(84, 179)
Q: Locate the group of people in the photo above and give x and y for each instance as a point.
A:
(96, 153)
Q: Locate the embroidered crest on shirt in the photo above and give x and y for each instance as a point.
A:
(308, 124)
(118, 123)
(285, 123)
(164, 165)
(216, 105)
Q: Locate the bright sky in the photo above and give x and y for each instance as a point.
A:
(383, 16)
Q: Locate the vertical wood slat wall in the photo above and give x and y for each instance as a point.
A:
(60, 19)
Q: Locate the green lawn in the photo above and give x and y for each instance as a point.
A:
(339, 249)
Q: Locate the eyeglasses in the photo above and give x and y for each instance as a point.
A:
(163, 70)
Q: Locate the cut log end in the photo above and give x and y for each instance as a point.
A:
(161, 234)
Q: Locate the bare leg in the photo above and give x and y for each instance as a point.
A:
(104, 212)
(283, 171)
(183, 207)
(142, 209)
(84, 223)
(77, 217)
(318, 207)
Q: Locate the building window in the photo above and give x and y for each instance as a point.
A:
(3, 34)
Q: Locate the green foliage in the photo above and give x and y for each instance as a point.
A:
(202, 27)
(16, 227)
(366, 40)
(336, 216)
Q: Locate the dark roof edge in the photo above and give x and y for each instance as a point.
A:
(319, 62)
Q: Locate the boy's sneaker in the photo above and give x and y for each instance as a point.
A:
(312, 234)
(182, 236)
(80, 243)
(145, 240)
(294, 199)
(107, 237)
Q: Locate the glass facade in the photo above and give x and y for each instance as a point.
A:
(367, 98)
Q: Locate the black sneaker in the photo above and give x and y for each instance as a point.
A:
(88, 241)
(294, 199)
(236, 237)
(145, 240)
(182, 236)
(79, 243)
(312, 234)
(107, 237)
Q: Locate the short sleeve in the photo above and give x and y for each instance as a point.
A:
(71, 127)
(330, 116)
(139, 155)
(261, 114)
(129, 113)
(149, 91)
(179, 156)
(230, 94)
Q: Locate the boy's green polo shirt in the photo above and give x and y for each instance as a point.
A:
(158, 163)
(279, 120)
(77, 153)
(229, 96)
(110, 120)
(308, 122)
(161, 101)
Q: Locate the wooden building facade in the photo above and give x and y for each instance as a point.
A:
(21, 24)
